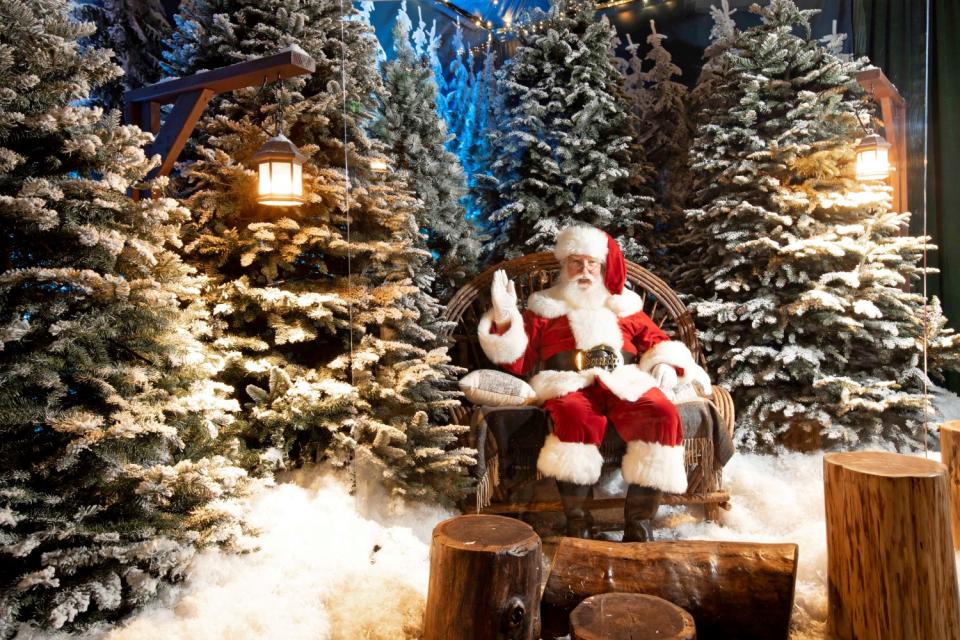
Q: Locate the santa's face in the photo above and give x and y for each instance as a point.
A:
(583, 271)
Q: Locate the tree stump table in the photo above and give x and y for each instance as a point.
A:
(950, 454)
(890, 562)
(484, 580)
(630, 616)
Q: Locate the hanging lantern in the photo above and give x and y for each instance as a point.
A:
(873, 158)
(281, 173)
(378, 165)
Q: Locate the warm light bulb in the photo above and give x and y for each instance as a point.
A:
(280, 167)
(873, 158)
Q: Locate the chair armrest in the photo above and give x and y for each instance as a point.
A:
(724, 402)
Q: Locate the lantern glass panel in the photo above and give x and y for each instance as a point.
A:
(281, 178)
(297, 179)
(873, 163)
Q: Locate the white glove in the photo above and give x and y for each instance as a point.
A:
(503, 294)
(665, 375)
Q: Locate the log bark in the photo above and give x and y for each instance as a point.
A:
(630, 616)
(732, 589)
(890, 563)
(484, 580)
(950, 454)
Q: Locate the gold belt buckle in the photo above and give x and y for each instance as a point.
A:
(600, 357)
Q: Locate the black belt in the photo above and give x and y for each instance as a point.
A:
(602, 357)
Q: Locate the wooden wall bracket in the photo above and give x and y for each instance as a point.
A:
(191, 95)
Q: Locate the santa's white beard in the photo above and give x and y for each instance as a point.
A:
(583, 296)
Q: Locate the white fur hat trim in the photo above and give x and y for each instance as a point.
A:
(581, 241)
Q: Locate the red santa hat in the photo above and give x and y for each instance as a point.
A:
(582, 240)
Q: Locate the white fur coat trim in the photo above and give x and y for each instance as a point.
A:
(576, 462)
(650, 464)
(627, 382)
(676, 354)
(550, 304)
(506, 348)
(593, 327)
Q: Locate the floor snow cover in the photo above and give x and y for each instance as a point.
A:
(323, 570)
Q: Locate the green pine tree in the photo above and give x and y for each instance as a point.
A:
(415, 137)
(802, 269)
(569, 152)
(329, 335)
(666, 133)
(134, 30)
(110, 427)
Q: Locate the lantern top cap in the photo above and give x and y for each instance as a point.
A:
(278, 147)
(873, 140)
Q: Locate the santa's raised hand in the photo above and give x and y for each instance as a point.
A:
(503, 294)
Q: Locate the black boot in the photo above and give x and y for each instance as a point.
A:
(638, 510)
(579, 520)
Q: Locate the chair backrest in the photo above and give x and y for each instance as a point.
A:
(537, 272)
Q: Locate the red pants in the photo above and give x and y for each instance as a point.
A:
(582, 416)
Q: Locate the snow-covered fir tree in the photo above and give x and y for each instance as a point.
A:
(415, 136)
(805, 315)
(461, 98)
(666, 132)
(715, 64)
(426, 46)
(568, 151)
(110, 427)
(483, 196)
(632, 69)
(330, 338)
(134, 30)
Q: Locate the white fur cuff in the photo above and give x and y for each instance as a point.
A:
(575, 462)
(506, 348)
(651, 464)
(672, 352)
(676, 354)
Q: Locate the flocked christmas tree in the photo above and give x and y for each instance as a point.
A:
(483, 198)
(568, 150)
(331, 343)
(134, 30)
(806, 313)
(415, 135)
(109, 424)
(666, 132)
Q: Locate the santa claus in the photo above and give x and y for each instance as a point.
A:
(595, 355)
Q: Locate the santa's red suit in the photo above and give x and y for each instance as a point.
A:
(551, 331)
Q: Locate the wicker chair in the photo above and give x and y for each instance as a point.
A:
(534, 273)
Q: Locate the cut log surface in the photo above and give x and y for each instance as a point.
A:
(484, 580)
(630, 616)
(732, 589)
(950, 453)
(890, 562)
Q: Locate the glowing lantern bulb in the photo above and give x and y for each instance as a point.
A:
(280, 164)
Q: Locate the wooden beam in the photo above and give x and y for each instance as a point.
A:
(177, 128)
(191, 95)
(285, 64)
(733, 590)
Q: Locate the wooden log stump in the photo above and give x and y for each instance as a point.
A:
(732, 589)
(484, 580)
(630, 616)
(890, 563)
(950, 454)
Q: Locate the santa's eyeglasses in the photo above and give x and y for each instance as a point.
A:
(586, 263)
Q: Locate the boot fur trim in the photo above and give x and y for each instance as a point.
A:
(650, 464)
(575, 462)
